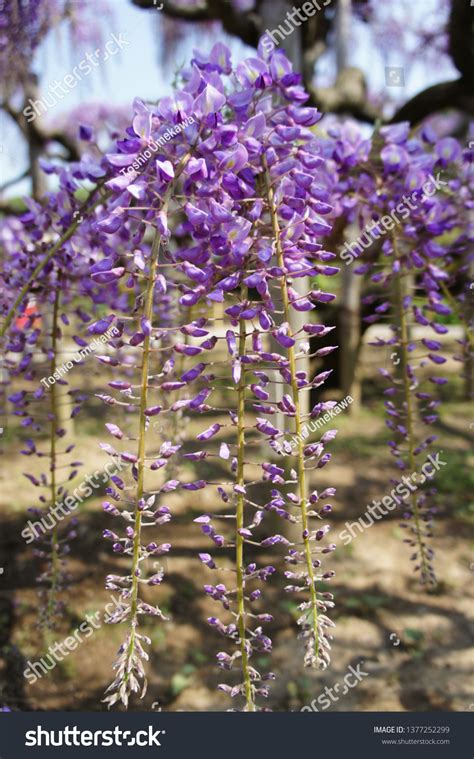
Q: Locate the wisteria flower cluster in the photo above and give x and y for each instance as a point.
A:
(425, 238)
(238, 189)
(48, 322)
(208, 257)
(25, 23)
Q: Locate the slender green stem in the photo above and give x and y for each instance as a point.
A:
(52, 454)
(177, 420)
(148, 314)
(85, 207)
(410, 414)
(295, 392)
(239, 540)
(52, 251)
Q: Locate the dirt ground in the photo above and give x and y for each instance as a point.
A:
(412, 645)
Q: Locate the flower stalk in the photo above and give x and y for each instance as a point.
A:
(54, 558)
(239, 541)
(399, 283)
(86, 208)
(295, 392)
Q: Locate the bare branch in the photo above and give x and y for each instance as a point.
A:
(14, 181)
(460, 28)
(457, 94)
(177, 11)
(246, 26)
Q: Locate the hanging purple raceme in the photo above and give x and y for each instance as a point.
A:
(458, 259)
(408, 195)
(293, 230)
(44, 338)
(132, 504)
(237, 189)
(265, 247)
(33, 358)
(27, 23)
(144, 348)
(32, 349)
(195, 245)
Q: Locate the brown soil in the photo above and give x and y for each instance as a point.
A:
(414, 645)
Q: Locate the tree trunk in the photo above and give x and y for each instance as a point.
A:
(35, 147)
(351, 284)
(350, 337)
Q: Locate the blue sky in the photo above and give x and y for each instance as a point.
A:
(135, 70)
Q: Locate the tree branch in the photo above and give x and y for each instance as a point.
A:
(63, 139)
(245, 26)
(460, 29)
(349, 93)
(457, 94)
(176, 11)
(37, 136)
(14, 181)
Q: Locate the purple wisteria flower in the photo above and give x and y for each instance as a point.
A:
(235, 211)
(406, 214)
